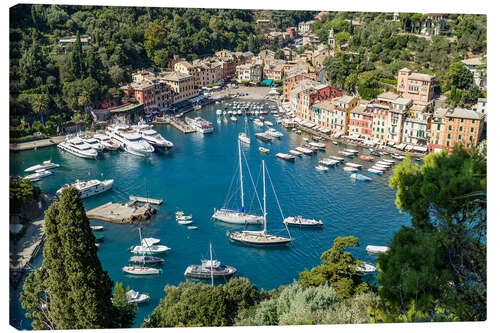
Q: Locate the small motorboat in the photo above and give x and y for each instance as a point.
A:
(96, 227)
(335, 142)
(183, 217)
(376, 249)
(378, 172)
(304, 150)
(350, 169)
(294, 152)
(233, 118)
(135, 297)
(361, 177)
(192, 227)
(264, 150)
(99, 238)
(320, 167)
(329, 162)
(333, 157)
(184, 222)
(398, 157)
(366, 158)
(366, 268)
(354, 165)
(268, 123)
(286, 157)
(140, 270)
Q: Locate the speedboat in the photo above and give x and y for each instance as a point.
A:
(304, 150)
(350, 169)
(149, 249)
(264, 150)
(45, 165)
(365, 268)
(140, 270)
(376, 249)
(294, 152)
(34, 177)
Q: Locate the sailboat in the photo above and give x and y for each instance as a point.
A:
(237, 216)
(243, 137)
(261, 237)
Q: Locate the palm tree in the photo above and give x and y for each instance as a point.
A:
(40, 105)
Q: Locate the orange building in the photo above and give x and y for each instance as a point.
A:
(416, 86)
(452, 125)
(291, 82)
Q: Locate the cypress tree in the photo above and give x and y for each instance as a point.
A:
(76, 289)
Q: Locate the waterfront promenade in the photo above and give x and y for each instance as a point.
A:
(52, 141)
(254, 93)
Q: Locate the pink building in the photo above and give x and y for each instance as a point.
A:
(416, 86)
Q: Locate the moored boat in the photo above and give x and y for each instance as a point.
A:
(45, 165)
(354, 165)
(146, 260)
(34, 177)
(286, 157)
(366, 268)
(320, 167)
(333, 157)
(361, 177)
(302, 222)
(210, 269)
(244, 138)
(264, 137)
(76, 146)
(376, 171)
(366, 158)
(304, 150)
(295, 152)
(90, 187)
(264, 150)
(350, 169)
(376, 249)
(106, 142)
(201, 125)
(140, 270)
(136, 297)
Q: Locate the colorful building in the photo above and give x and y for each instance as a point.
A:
(182, 84)
(452, 125)
(416, 86)
(360, 122)
(334, 114)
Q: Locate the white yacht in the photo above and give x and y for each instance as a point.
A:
(244, 138)
(90, 187)
(94, 143)
(199, 124)
(156, 139)
(237, 216)
(106, 142)
(131, 141)
(136, 297)
(77, 147)
(45, 165)
(34, 177)
(274, 133)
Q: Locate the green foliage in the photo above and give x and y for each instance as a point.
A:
(125, 311)
(459, 76)
(342, 37)
(70, 290)
(439, 263)
(339, 270)
(21, 192)
(368, 85)
(296, 305)
(200, 304)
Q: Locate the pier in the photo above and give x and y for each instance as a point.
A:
(135, 199)
(181, 125)
(120, 213)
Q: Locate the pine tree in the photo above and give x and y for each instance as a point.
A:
(77, 61)
(75, 291)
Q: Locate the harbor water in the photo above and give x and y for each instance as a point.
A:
(195, 177)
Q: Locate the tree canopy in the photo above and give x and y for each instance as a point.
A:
(70, 290)
(438, 264)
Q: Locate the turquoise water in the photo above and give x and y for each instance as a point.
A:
(195, 178)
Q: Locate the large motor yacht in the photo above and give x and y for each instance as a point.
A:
(76, 146)
(131, 141)
(90, 187)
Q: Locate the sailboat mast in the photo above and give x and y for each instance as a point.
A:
(241, 177)
(264, 196)
(211, 266)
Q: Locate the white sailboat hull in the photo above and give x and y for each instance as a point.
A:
(236, 217)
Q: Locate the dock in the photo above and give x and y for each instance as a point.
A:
(121, 213)
(181, 125)
(135, 199)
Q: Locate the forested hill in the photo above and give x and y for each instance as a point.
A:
(122, 39)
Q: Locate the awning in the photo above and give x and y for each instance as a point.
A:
(408, 147)
(401, 146)
(418, 148)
